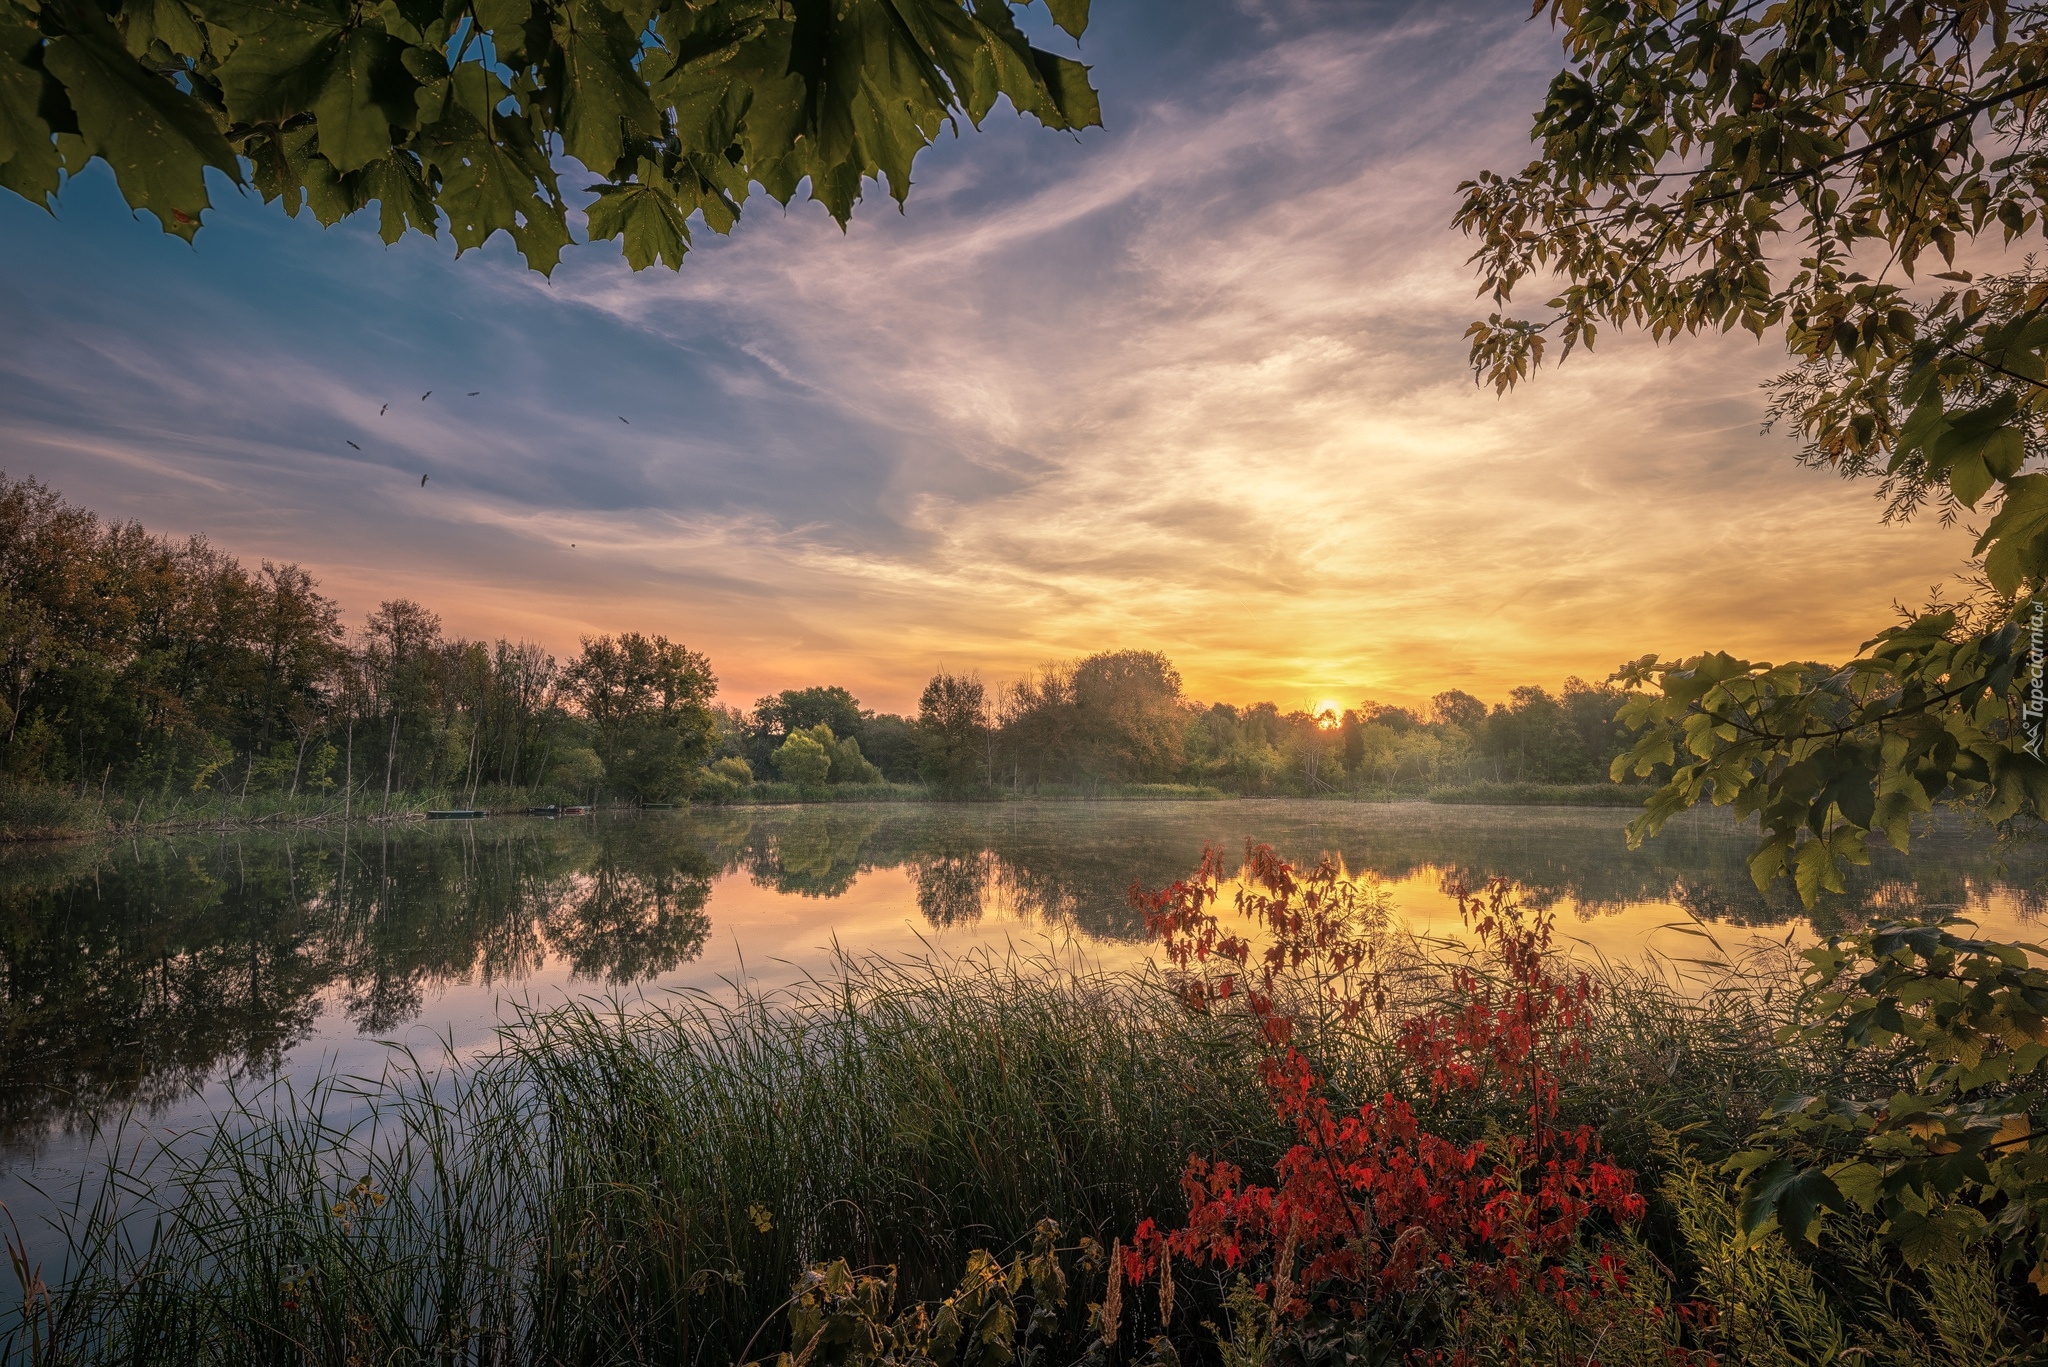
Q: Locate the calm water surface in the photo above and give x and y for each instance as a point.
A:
(144, 979)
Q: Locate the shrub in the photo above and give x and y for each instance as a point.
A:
(725, 779)
(802, 760)
(1373, 1218)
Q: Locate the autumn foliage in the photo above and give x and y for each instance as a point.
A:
(1371, 1201)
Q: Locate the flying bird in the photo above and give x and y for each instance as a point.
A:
(423, 397)
(474, 392)
(423, 481)
(627, 423)
(380, 412)
(352, 443)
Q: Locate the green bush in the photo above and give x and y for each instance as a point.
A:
(802, 760)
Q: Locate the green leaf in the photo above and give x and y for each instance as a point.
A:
(2011, 536)
(158, 139)
(1969, 478)
(28, 157)
(284, 56)
(654, 228)
(162, 21)
(504, 20)
(299, 56)
(603, 99)
(1071, 15)
(1938, 1236)
(1814, 871)
(340, 102)
(403, 197)
(1794, 1197)
(1768, 864)
(1859, 1182)
(1067, 81)
(489, 186)
(367, 90)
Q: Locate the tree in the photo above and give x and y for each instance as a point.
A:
(459, 113)
(799, 709)
(848, 764)
(1351, 734)
(1127, 715)
(399, 658)
(803, 760)
(1706, 165)
(1455, 707)
(647, 699)
(1038, 718)
(301, 642)
(891, 743)
(952, 725)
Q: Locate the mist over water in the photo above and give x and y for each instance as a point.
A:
(143, 980)
(130, 973)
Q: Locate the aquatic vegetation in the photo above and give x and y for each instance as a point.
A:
(1305, 1138)
(1375, 1217)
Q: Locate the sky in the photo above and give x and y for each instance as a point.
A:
(1191, 382)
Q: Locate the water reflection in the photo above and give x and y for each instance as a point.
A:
(128, 974)
(131, 973)
(1074, 865)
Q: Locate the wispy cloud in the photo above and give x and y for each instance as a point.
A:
(1193, 383)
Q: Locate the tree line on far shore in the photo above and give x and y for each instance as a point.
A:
(142, 666)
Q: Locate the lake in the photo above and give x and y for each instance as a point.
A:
(144, 978)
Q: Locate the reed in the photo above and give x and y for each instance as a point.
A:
(641, 1184)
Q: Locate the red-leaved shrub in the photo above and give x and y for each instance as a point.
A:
(1374, 1201)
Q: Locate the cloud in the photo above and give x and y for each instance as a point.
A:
(1192, 383)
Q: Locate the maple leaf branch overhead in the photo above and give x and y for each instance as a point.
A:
(456, 113)
(1798, 167)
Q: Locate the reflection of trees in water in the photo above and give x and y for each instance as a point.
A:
(624, 924)
(954, 889)
(815, 852)
(129, 974)
(114, 989)
(1074, 865)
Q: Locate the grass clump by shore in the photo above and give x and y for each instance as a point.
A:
(643, 1187)
(991, 1160)
(42, 813)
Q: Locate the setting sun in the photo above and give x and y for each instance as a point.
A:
(1327, 714)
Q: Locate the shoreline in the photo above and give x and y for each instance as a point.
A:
(1473, 795)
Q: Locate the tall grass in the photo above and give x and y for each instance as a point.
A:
(641, 1186)
(36, 812)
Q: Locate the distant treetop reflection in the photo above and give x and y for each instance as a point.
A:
(130, 973)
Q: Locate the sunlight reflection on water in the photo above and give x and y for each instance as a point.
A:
(146, 979)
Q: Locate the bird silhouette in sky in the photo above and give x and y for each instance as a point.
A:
(423, 481)
(622, 419)
(423, 397)
(352, 443)
(380, 412)
(474, 392)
